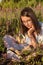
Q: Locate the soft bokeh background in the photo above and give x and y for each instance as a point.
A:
(10, 16)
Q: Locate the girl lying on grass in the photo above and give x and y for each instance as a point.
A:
(31, 31)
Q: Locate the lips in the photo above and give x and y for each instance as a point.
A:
(29, 27)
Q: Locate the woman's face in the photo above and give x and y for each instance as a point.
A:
(27, 21)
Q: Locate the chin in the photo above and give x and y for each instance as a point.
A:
(29, 27)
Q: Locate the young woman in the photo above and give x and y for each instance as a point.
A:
(31, 32)
(31, 26)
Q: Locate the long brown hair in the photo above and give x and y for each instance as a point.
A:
(27, 11)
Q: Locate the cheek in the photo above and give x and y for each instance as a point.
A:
(30, 23)
(25, 24)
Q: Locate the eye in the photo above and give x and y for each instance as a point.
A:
(24, 22)
(29, 20)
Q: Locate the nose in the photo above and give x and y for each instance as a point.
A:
(29, 22)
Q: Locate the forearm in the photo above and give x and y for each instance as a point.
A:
(33, 41)
(32, 35)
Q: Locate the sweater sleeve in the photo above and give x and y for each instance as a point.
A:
(40, 37)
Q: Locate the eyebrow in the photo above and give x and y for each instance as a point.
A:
(26, 20)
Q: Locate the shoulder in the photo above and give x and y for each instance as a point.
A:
(40, 39)
(41, 23)
(40, 36)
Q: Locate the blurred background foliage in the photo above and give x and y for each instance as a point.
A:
(10, 16)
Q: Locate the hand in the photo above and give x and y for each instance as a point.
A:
(32, 36)
(30, 32)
